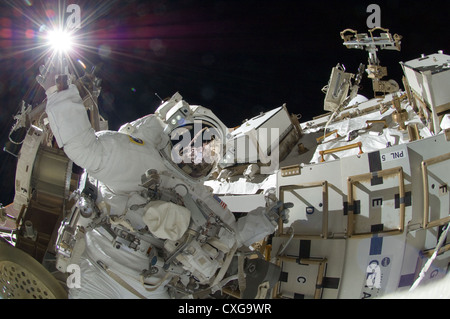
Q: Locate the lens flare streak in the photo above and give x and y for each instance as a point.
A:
(43, 30)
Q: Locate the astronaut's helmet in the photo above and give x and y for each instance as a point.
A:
(196, 148)
(197, 137)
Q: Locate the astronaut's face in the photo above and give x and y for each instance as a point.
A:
(196, 148)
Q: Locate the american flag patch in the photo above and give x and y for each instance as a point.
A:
(221, 202)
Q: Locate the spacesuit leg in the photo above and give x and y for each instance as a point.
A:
(120, 280)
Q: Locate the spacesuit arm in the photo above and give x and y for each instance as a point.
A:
(71, 127)
(261, 222)
(106, 155)
(67, 115)
(254, 227)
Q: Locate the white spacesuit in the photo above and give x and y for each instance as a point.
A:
(141, 242)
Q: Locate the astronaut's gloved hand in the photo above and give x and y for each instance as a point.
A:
(261, 221)
(54, 75)
(278, 210)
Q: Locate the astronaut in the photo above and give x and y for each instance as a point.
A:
(152, 223)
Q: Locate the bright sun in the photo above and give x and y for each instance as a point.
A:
(60, 41)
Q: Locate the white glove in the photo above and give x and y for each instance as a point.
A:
(54, 75)
(279, 210)
(261, 222)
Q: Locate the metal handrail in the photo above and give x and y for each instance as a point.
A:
(426, 200)
(324, 185)
(321, 262)
(367, 176)
(320, 138)
(339, 149)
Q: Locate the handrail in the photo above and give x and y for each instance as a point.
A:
(321, 262)
(348, 37)
(367, 176)
(339, 149)
(324, 185)
(426, 201)
(320, 138)
(429, 252)
(382, 29)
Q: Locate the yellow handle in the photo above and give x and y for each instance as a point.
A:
(341, 148)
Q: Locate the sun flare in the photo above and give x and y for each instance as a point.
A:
(60, 41)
